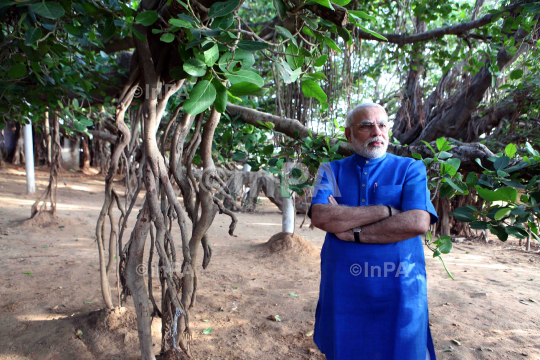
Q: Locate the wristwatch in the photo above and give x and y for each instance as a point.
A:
(356, 232)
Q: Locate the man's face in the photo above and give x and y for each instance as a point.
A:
(369, 132)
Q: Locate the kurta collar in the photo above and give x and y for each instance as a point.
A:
(362, 161)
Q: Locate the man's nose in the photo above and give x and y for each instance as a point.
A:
(376, 131)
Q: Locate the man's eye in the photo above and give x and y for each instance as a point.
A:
(383, 126)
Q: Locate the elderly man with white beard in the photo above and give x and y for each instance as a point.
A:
(374, 206)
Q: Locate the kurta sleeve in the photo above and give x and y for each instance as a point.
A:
(325, 185)
(415, 193)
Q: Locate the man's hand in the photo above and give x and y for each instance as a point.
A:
(333, 201)
(346, 236)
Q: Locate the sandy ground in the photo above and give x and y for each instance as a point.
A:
(50, 295)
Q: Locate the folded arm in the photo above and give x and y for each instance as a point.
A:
(397, 228)
(334, 218)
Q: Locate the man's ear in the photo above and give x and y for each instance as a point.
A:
(348, 134)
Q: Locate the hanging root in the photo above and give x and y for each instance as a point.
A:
(50, 194)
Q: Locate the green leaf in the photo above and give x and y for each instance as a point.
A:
(501, 163)
(239, 155)
(195, 67)
(510, 150)
(207, 331)
(109, 28)
(268, 150)
(502, 213)
(443, 144)
(463, 216)
(281, 8)
(245, 58)
(294, 61)
(247, 88)
(79, 127)
(312, 22)
(311, 89)
(17, 71)
(361, 14)
(444, 155)
(245, 76)
(321, 60)
(331, 43)
(489, 195)
(325, 3)
(211, 55)
(454, 162)
(516, 232)
(429, 146)
(379, 36)
(223, 22)
(223, 8)
(444, 244)
(167, 37)
(455, 186)
(471, 179)
(200, 98)
(286, 34)
(181, 23)
(516, 74)
(250, 45)
(345, 35)
(32, 35)
(508, 193)
(221, 96)
(416, 156)
(86, 122)
(530, 149)
(49, 10)
(479, 225)
(500, 232)
(146, 18)
(6, 3)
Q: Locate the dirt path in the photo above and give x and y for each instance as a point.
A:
(50, 290)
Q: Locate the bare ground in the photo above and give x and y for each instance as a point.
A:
(51, 305)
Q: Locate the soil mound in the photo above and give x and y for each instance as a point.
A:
(43, 220)
(290, 245)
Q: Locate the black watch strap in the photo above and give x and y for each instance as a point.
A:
(357, 237)
(389, 210)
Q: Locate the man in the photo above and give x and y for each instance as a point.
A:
(374, 206)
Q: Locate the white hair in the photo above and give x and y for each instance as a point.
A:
(350, 115)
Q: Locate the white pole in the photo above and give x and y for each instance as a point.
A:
(289, 216)
(29, 159)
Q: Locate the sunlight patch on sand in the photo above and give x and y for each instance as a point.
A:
(12, 202)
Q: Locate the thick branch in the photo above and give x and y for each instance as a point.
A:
(103, 135)
(459, 29)
(466, 153)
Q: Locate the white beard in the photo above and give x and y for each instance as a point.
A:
(363, 149)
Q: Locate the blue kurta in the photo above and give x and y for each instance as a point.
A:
(361, 313)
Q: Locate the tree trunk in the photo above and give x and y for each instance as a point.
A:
(85, 154)
(18, 156)
(50, 193)
(445, 217)
(410, 117)
(47, 136)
